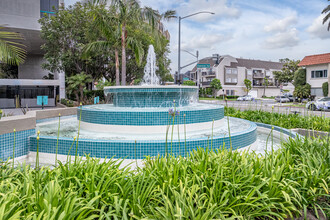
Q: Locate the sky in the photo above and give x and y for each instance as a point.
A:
(252, 29)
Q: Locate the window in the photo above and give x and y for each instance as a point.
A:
(319, 74)
(228, 71)
(249, 72)
(230, 92)
(234, 71)
(228, 80)
(49, 7)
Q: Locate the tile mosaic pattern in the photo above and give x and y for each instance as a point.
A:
(279, 129)
(143, 118)
(129, 150)
(151, 97)
(21, 144)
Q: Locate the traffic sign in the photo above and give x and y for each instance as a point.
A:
(206, 65)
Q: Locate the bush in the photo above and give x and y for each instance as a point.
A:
(189, 83)
(221, 184)
(325, 88)
(90, 94)
(283, 120)
(67, 102)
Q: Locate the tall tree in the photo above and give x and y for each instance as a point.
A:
(129, 12)
(11, 51)
(287, 73)
(326, 11)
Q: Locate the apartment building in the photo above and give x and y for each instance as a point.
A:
(233, 71)
(317, 72)
(22, 16)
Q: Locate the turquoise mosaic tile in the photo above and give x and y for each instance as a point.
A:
(130, 150)
(21, 144)
(143, 118)
(151, 97)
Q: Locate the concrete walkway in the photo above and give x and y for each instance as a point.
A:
(268, 107)
(18, 111)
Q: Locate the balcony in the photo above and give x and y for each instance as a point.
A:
(205, 83)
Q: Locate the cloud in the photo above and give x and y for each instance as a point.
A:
(282, 40)
(282, 24)
(317, 29)
(219, 7)
(208, 41)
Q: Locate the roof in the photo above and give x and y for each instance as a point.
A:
(315, 59)
(206, 60)
(260, 64)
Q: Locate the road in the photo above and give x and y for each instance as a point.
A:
(266, 105)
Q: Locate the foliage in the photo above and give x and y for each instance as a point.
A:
(220, 184)
(325, 88)
(302, 91)
(248, 85)
(8, 71)
(283, 120)
(73, 30)
(288, 70)
(203, 92)
(78, 83)
(299, 78)
(215, 86)
(67, 102)
(189, 83)
(91, 94)
(0, 114)
(11, 51)
(326, 11)
(101, 84)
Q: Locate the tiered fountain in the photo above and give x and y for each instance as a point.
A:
(150, 120)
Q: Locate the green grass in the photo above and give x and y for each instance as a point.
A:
(205, 185)
(309, 121)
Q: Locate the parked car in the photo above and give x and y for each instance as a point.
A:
(289, 96)
(320, 104)
(282, 99)
(245, 98)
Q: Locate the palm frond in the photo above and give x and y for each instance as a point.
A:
(11, 52)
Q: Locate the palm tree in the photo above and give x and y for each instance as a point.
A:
(111, 34)
(326, 11)
(11, 52)
(129, 12)
(78, 83)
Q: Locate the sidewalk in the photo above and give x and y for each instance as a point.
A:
(18, 111)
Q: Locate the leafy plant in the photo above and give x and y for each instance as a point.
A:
(215, 86)
(325, 88)
(248, 85)
(189, 83)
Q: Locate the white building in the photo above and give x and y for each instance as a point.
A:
(317, 72)
(22, 16)
(233, 71)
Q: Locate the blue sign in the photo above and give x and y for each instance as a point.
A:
(203, 65)
(96, 100)
(42, 100)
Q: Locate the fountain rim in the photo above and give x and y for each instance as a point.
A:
(151, 87)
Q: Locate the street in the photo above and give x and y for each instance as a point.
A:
(266, 105)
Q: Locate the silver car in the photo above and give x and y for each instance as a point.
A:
(245, 98)
(320, 104)
(282, 99)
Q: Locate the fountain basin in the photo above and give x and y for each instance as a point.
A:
(151, 96)
(109, 114)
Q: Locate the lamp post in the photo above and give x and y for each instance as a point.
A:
(179, 44)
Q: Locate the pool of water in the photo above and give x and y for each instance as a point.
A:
(69, 129)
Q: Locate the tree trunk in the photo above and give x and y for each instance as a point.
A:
(77, 96)
(81, 88)
(123, 55)
(117, 67)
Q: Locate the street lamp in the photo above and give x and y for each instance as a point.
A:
(181, 18)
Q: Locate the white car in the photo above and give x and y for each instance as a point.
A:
(245, 98)
(320, 104)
